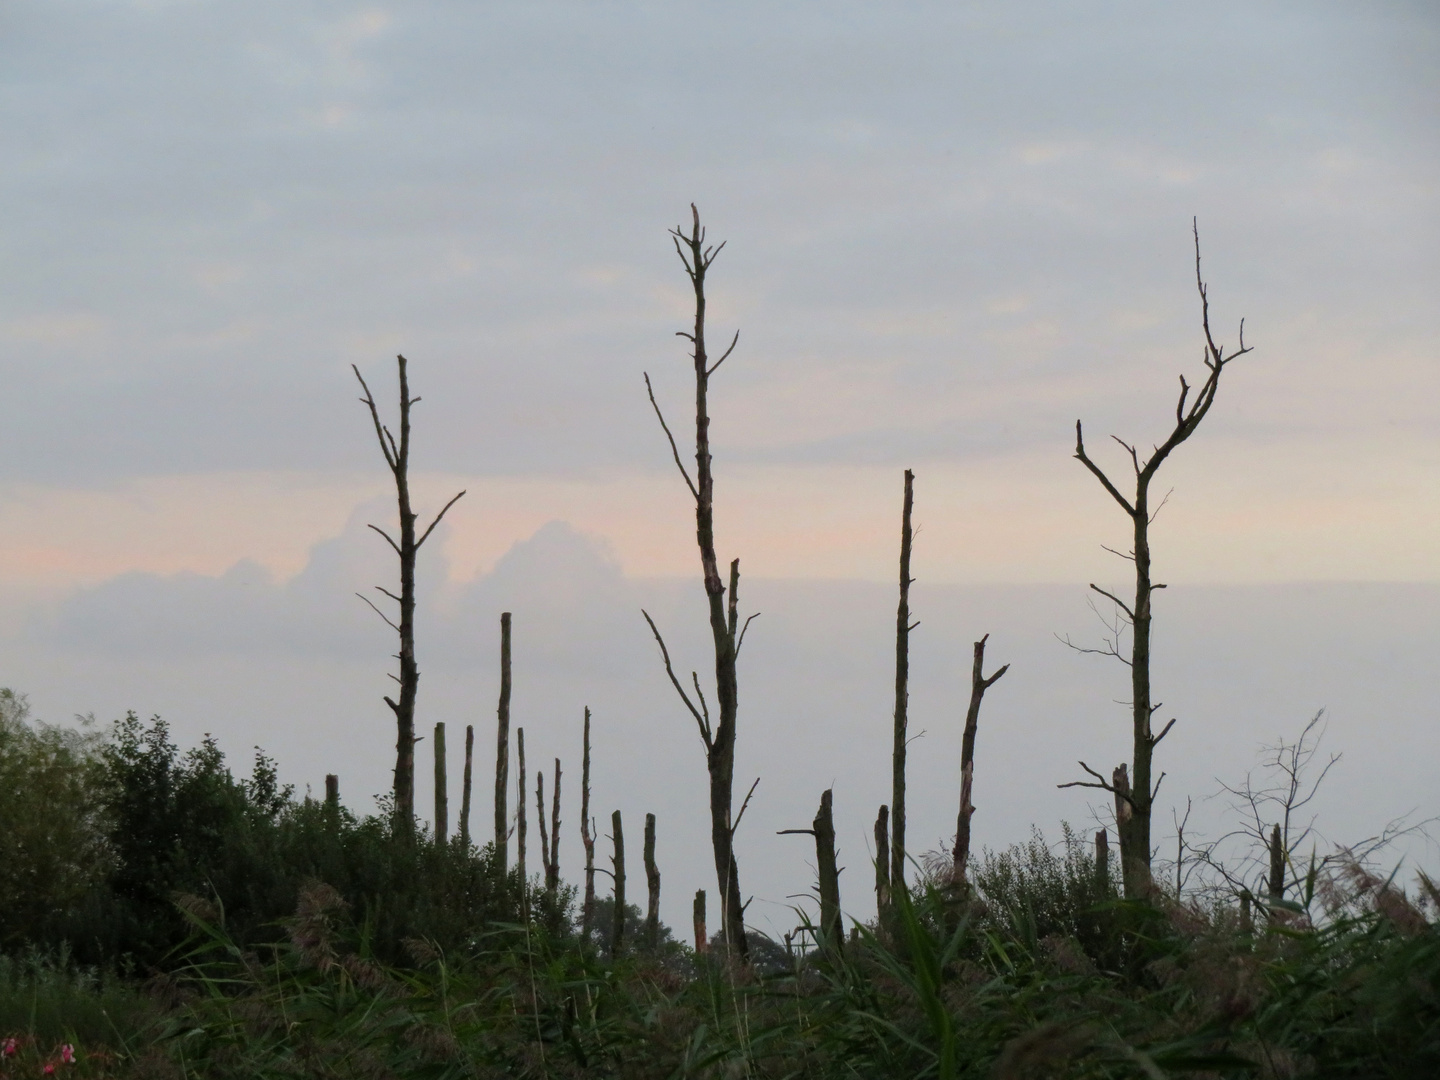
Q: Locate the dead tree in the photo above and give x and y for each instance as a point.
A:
(617, 863)
(1275, 886)
(697, 918)
(1135, 830)
(979, 683)
(587, 837)
(1102, 863)
(442, 796)
(332, 801)
(831, 934)
(652, 885)
(882, 862)
(502, 753)
(903, 626)
(465, 788)
(407, 548)
(520, 823)
(544, 830)
(552, 862)
(727, 635)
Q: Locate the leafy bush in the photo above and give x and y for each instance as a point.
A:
(52, 847)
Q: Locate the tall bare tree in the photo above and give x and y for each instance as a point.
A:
(1134, 824)
(903, 626)
(979, 683)
(587, 837)
(502, 752)
(520, 824)
(407, 548)
(727, 634)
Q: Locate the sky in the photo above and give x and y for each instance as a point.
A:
(952, 230)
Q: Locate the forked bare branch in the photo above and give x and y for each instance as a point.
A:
(380, 613)
(674, 450)
(700, 721)
(426, 534)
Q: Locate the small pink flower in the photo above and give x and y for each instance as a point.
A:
(8, 1048)
(67, 1054)
(49, 1070)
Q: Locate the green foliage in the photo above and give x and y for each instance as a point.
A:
(103, 836)
(260, 935)
(52, 1001)
(52, 850)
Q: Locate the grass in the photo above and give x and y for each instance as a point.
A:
(1038, 973)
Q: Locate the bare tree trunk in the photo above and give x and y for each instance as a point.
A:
(332, 801)
(587, 837)
(726, 634)
(442, 796)
(652, 883)
(1136, 828)
(828, 873)
(902, 695)
(617, 921)
(397, 457)
(1276, 884)
(520, 824)
(552, 864)
(1124, 817)
(1102, 863)
(502, 753)
(697, 918)
(882, 862)
(465, 788)
(544, 831)
(978, 685)
(827, 885)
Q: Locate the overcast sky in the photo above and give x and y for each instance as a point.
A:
(953, 229)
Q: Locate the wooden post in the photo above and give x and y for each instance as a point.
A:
(882, 862)
(617, 922)
(442, 795)
(697, 915)
(502, 753)
(652, 881)
(902, 694)
(587, 837)
(465, 788)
